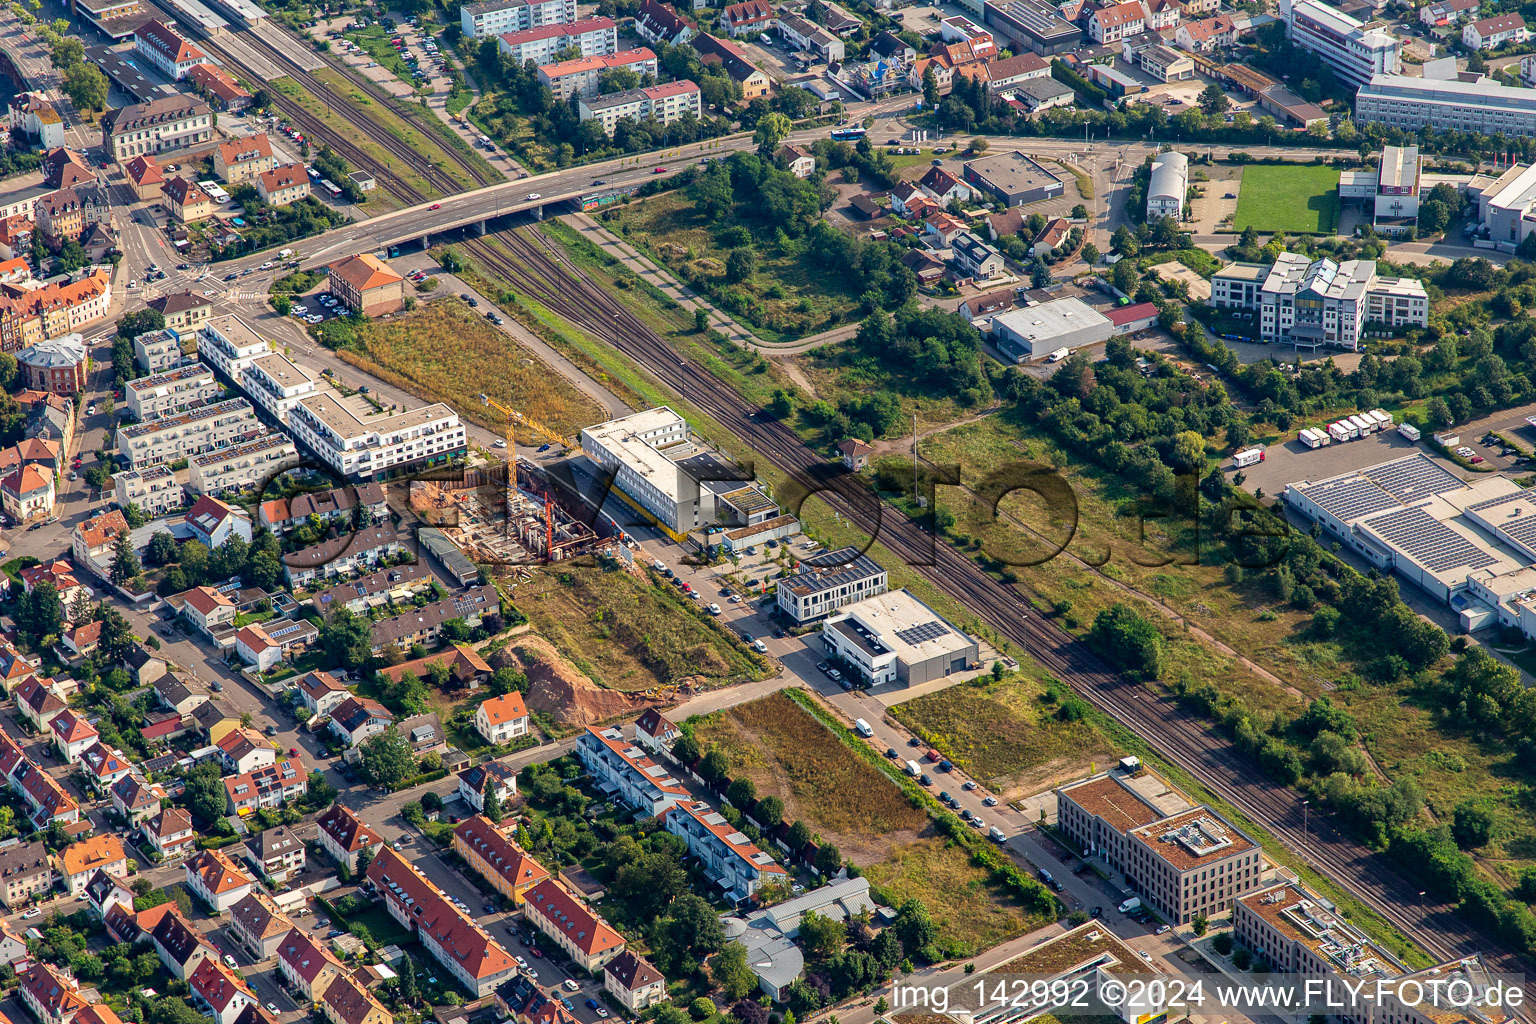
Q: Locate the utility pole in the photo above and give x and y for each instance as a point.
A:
(914, 458)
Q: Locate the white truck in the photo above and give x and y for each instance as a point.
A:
(1248, 457)
(1312, 437)
(863, 728)
(1058, 355)
(1363, 425)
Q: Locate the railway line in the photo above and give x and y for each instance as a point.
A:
(1181, 737)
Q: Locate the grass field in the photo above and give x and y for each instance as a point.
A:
(787, 753)
(1300, 199)
(410, 351)
(626, 635)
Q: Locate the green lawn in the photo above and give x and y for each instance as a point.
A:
(1301, 199)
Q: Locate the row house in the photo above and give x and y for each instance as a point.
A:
(306, 966)
(345, 1001)
(272, 785)
(737, 866)
(343, 554)
(746, 18)
(397, 584)
(51, 994)
(424, 625)
(243, 466)
(216, 987)
(180, 945)
(495, 857)
(571, 925)
(626, 770)
(258, 925)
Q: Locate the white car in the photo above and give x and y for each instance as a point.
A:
(520, 961)
(230, 960)
(267, 265)
(314, 319)
(570, 985)
(1162, 929)
(1145, 955)
(500, 442)
(534, 195)
(34, 912)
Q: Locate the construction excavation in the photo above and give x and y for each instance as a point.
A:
(498, 523)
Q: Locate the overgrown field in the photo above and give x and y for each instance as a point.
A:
(443, 352)
(788, 754)
(1297, 198)
(627, 635)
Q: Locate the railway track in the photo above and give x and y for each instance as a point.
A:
(1181, 737)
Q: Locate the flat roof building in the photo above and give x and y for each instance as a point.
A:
(173, 391)
(1472, 104)
(1032, 25)
(276, 383)
(361, 447)
(1013, 178)
(896, 638)
(169, 438)
(1354, 52)
(242, 466)
(828, 581)
(1315, 303)
(1034, 332)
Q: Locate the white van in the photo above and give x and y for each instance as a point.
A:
(863, 728)
(1134, 903)
(996, 834)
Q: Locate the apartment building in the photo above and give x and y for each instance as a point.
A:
(493, 17)
(1492, 33)
(271, 785)
(306, 965)
(255, 921)
(56, 365)
(662, 103)
(571, 925)
(173, 391)
(425, 625)
(636, 779)
(183, 311)
(185, 201)
(804, 34)
(827, 581)
(153, 489)
(727, 856)
(159, 351)
(25, 871)
(347, 1001)
(365, 285)
(31, 115)
(744, 18)
(168, 438)
(343, 554)
(1318, 303)
(167, 50)
(77, 862)
(593, 37)
(398, 583)
(276, 383)
(344, 836)
(375, 445)
(1477, 105)
(648, 452)
(284, 185)
(475, 959)
(1356, 54)
(1117, 21)
(726, 53)
(240, 161)
(247, 464)
(1182, 859)
(215, 880)
(495, 857)
(219, 87)
(66, 214)
(228, 344)
(163, 125)
(580, 77)
(52, 995)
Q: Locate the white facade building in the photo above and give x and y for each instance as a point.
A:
(896, 638)
(663, 103)
(276, 384)
(1320, 303)
(593, 37)
(163, 393)
(359, 447)
(169, 438)
(493, 17)
(244, 465)
(1356, 54)
(153, 489)
(228, 344)
(1168, 186)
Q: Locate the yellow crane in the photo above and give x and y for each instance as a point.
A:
(514, 419)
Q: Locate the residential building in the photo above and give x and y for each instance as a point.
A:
(803, 34)
(727, 856)
(827, 581)
(272, 785)
(284, 185)
(135, 799)
(159, 351)
(276, 383)
(502, 719)
(571, 925)
(255, 921)
(241, 160)
(38, 315)
(105, 890)
(593, 37)
(1117, 21)
(167, 50)
(65, 214)
(245, 749)
(170, 833)
(242, 467)
(345, 1001)
(218, 988)
(1162, 15)
(335, 505)
(173, 391)
(1317, 303)
(1207, 35)
(1168, 186)
(30, 114)
(342, 554)
(769, 934)
(396, 584)
(358, 718)
(344, 836)
(497, 775)
(580, 77)
(424, 625)
(38, 701)
(27, 494)
(1183, 859)
(754, 82)
(473, 958)
(798, 160)
(25, 871)
(896, 638)
(56, 365)
(659, 23)
(634, 982)
(72, 735)
(321, 692)
(215, 880)
(278, 854)
(305, 965)
(51, 994)
(1446, 12)
(976, 259)
(628, 771)
(1356, 54)
(228, 344)
(363, 447)
(1492, 33)
(103, 765)
(366, 285)
(219, 88)
(495, 857)
(175, 695)
(78, 861)
(465, 666)
(493, 17)
(153, 489)
(664, 103)
(185, 201)
(169, 438)
(746, 18)
(208, 610)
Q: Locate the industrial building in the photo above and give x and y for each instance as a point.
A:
(1506, 207)
(1182, 858)
(1314, 303)
(1168, 186)
(1034, 332)
(896, 638)
(1471, 545)
(681, 483)
(1355, 53)
(1032, 25)
(1013, 178)
(828, 581)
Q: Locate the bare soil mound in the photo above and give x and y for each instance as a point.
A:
(560, 690)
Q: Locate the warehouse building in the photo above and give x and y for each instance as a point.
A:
(1035, 332)
(1471, 545)
(1168, 186)
(895, 638)
(1013, 178)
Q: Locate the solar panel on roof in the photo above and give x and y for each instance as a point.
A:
(1429, 541)
(1350, 497)
(914, 635)
(1413, 477)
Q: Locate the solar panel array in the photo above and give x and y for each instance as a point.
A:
(914, 635)
(1430, 542)
(1412, 478)
(1350, 497)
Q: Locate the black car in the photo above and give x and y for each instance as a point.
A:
(890, 752)
(746, 637)
(1097, 912)
(230, 276)
(599, 181)
(473, 302)
(914, 742)
(490, 315)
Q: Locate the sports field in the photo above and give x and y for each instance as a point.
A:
(1300, 199)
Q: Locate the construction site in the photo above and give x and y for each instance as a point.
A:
(496, 523)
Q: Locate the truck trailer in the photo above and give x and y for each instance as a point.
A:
(1248, 457)
(1409, 431)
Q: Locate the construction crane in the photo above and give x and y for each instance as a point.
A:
(515, 418)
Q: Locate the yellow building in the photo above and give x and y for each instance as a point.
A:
(497, 859)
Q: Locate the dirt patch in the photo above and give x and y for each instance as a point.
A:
(558, 689)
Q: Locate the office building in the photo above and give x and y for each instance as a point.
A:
(493, 17)
(169, 438)
(1321, 303)
(828, 581)
(242, 466)
(580, 77)
(174, 391)
(1507, 208)
(1472, 104)
(661, 103)
(896, 638)
(359, 443)
(1390, 190)
(1356, 54)
(593, 37)
(164, 125)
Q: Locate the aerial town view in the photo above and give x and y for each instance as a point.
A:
(705, 512)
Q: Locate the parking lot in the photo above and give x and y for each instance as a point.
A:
(1291, 461)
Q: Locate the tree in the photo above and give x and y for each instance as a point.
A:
(740, 263)
(829, 861)
(1124, 275)
(141, 321)
(1090, 253)
(162, 548)
(40, 614)
(1200, 924)
(1473, 824)
(346, 639)
(686, 749)
(1129, 638)
(387, 759)
(204, 794)
(729, 970)
(769, 811)
(914, 927)
(125, 561)
(799, 835)
(406, 981)
(68, 52)
(1213, 101)
(930, 88)
(492, 802)
(822, 936)
(86, 87)
(741, 792)
(1039, 273)
(770, 131)
(714, 766)
(701, 318)
(321, 793)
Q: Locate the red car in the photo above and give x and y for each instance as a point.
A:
(660, 170)
(436, 206)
